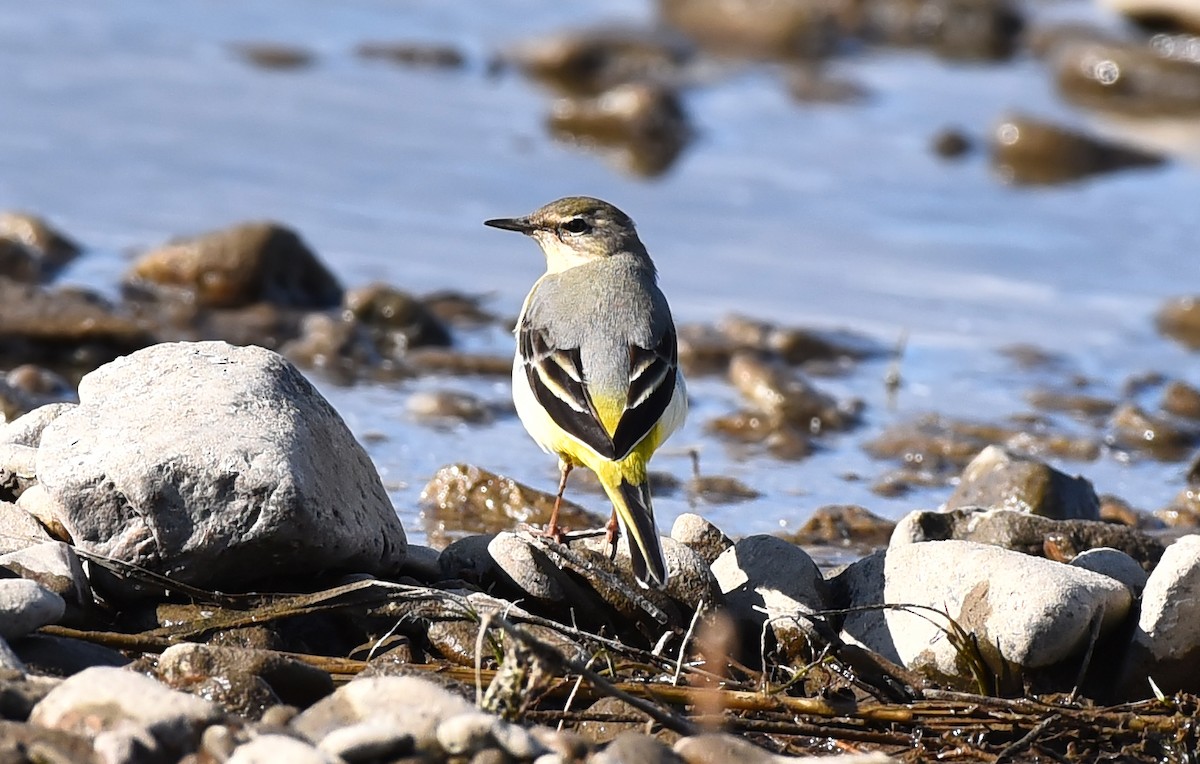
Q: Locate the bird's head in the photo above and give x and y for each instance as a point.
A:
(576, 230)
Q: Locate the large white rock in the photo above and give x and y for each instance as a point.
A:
(220, 466)
(1029, 612)
(1166, 642)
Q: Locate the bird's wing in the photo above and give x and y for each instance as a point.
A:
(559, 383)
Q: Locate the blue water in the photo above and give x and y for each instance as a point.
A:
(132, 122)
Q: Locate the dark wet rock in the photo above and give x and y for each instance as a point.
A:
(397, 320)
(129, 716)
(55, 566)
(20, 692)
(62, 656)
(241, 265)
(1071, 402)
(757, 29)
(1179, 319)
(255, 466)
(1026, 533)
(1026, 150)
(904, 480)
(18, 263)
(1114, 509)
(455, 640)
(462, 498)
(701, 536)
(783, 440)
(341, 348)
(999, 479)
(40, 383)
(412, 707)
(1181, 399)
(242, 681)
(643, 124)
(703, 349)
(274, 55)
(986, 590)
(844, 525)
(433, 360)
(590, 61)
(448, 406)
(720, 489)
(635, 746)
(64, 325)
(432, 55)
(956, 29)
(1183, 511)
(421, 563)
(1125, 78)
(1159, 437)
(458, 309)
(1028, 357)
(951, 143)
(52, 248)
(787, 397)
(19, 529)
(26, 606)
(272, 748)
(765, 578)
(1166, 645)
(1116, 565)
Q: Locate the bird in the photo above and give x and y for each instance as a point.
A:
(596, 378)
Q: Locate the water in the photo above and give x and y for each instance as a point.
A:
(129, 123)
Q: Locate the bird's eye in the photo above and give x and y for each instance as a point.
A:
(576, 225)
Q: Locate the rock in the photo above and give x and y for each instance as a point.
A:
(422, 563)
(21, 740)
(448, 406)
(786, 397)
(1181, 399)
(635, 747)
(49, 246)
(972, 30)
(273, 55)
(1179, 319)
(590, 61)
(464, 498)
(1159, 437)
(1071, 402)
(412, 706)
(37, 502)
(242, 681)
(9, 661)
(844, 525)
(645, 124)
(757, 29)
(1166, 645)
(396, 320)
(1116, 565)
(999, 479)
(951, 143)
(18, 263)
(65, 325)
(366, 741)
(55, 566)
(1182, 14)
(241, 265)
(27, 430)
(272, 749)
(26, 606)
(690, 581)
(412, 54)
(700, 535)
(466, 734)
(861, 585)
(528, 572)
(720, 489)
(18, 529)
(716, 747)
(20, 692)
(767, 579)
(434, 360)
(63, 656)
(986, 590)
(18, 471)
(797, 345)
(1026, 533)
(1118, 77)
(1030, 151)
(124, 711)
(256, 466)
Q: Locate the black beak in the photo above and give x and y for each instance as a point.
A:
(521, 225)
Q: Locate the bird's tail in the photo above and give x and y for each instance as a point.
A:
(631, 500)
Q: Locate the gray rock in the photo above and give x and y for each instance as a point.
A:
(19, 529)
(36, 502)
(466, 734)
(26, 606)
(272, 749)
(1116, 565)
(700, 535)
(63, 656)
(517, 741)
(18, 469)
(54, 565)
(987, 591)
(1166, 643)
(422, 563)
(412, 706)
(718, 747)
(765, 573)
(27, 430)
(218, 465)
(1023, 532)
(529, 571)
(367, 741)
(126, 711)
(635, 748)
(860, 585)
(999, 479)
